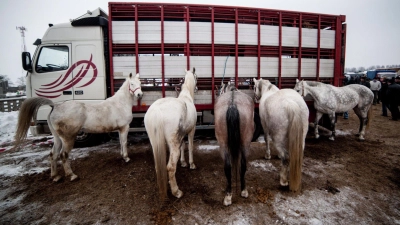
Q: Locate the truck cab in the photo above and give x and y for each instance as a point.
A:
(69, 63)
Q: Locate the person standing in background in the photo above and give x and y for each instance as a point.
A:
(364, 82)
(375, 86)
(382, 95)
(393, 99)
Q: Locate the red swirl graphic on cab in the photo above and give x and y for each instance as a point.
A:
(53, 89)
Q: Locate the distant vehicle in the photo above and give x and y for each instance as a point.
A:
(388, 75)
(371, 74)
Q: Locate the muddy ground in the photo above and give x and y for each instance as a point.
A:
(344, 182)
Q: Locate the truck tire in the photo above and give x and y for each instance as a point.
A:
(88, 139)
(258, 127)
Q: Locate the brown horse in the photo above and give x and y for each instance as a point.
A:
(234, 128)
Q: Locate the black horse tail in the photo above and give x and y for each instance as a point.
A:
(233, 126)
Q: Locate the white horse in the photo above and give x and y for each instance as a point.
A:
(168, 121)
(67, 119)
(329, 100)
(284, 117)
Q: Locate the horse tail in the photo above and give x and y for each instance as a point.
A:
(27, 111)
(369, 116)
(155, 131)
(234, 137)
(296, 141)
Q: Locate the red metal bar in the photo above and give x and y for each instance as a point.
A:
(212, 57)
(236, 47)
(338, 51)
(162, 52)
(318, 46)
(110, 49)
(300, 45)
(137, 37)
(280, 52)
(258, 44)
(187, 38)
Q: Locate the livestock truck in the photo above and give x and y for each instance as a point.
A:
(88, 58)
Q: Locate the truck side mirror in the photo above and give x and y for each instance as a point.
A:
(26, 61)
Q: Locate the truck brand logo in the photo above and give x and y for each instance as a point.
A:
(56, 88)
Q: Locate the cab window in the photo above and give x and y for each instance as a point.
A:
(52, 58)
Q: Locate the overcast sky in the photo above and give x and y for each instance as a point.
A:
(373, 26)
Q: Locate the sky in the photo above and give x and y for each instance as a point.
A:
(373, 26)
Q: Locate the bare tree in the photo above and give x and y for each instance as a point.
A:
(21, 81)
(6, 78)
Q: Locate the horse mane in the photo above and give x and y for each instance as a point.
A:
(314, 83)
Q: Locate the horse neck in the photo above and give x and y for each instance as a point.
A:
(187, 90)
(123, 93)
(310, 90)
(268, 89)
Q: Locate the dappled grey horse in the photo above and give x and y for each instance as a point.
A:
(329, 99)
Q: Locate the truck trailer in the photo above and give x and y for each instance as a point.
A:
(88, 58)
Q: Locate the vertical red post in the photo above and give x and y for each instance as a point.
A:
(300, 45)
(339, 55)
(212, 57)
(162, 53)
(280, 52)
(136, 37)
(318, 46)
(259, 44)
(236, 46)
(110, 44)
(187, 38)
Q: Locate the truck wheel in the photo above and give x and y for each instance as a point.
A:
(87, 140)
(258, 127)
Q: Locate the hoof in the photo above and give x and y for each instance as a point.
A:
(57, 178)
(228, 200)
(178, 194)
(284, 183)
(74, 177)
(192, 166)
(267, 156)
(245, 193)
(127, 159)
(361, 139)
(331, 138)
(316, 136)
(184, 164)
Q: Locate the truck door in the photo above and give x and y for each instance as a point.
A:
(52, 73)
(89, 74)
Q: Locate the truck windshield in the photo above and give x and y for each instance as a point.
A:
(52, 58)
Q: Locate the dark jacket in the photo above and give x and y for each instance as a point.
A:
(383, 91)
(393, 94)
(366, 83)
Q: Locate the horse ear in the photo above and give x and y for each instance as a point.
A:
(297, 80)
(194, 70)
(130, 75)
(137, 75)
(254, 80)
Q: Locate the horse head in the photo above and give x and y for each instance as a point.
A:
(191, 79)
(135, 86)
(299, 87)
(257, 89)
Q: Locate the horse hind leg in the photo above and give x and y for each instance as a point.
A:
(183, 161)
(243, 169)
(66, 149)
(191, 137)
(228, 175)
(54, 154)
(284, 162)
(171, 168)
